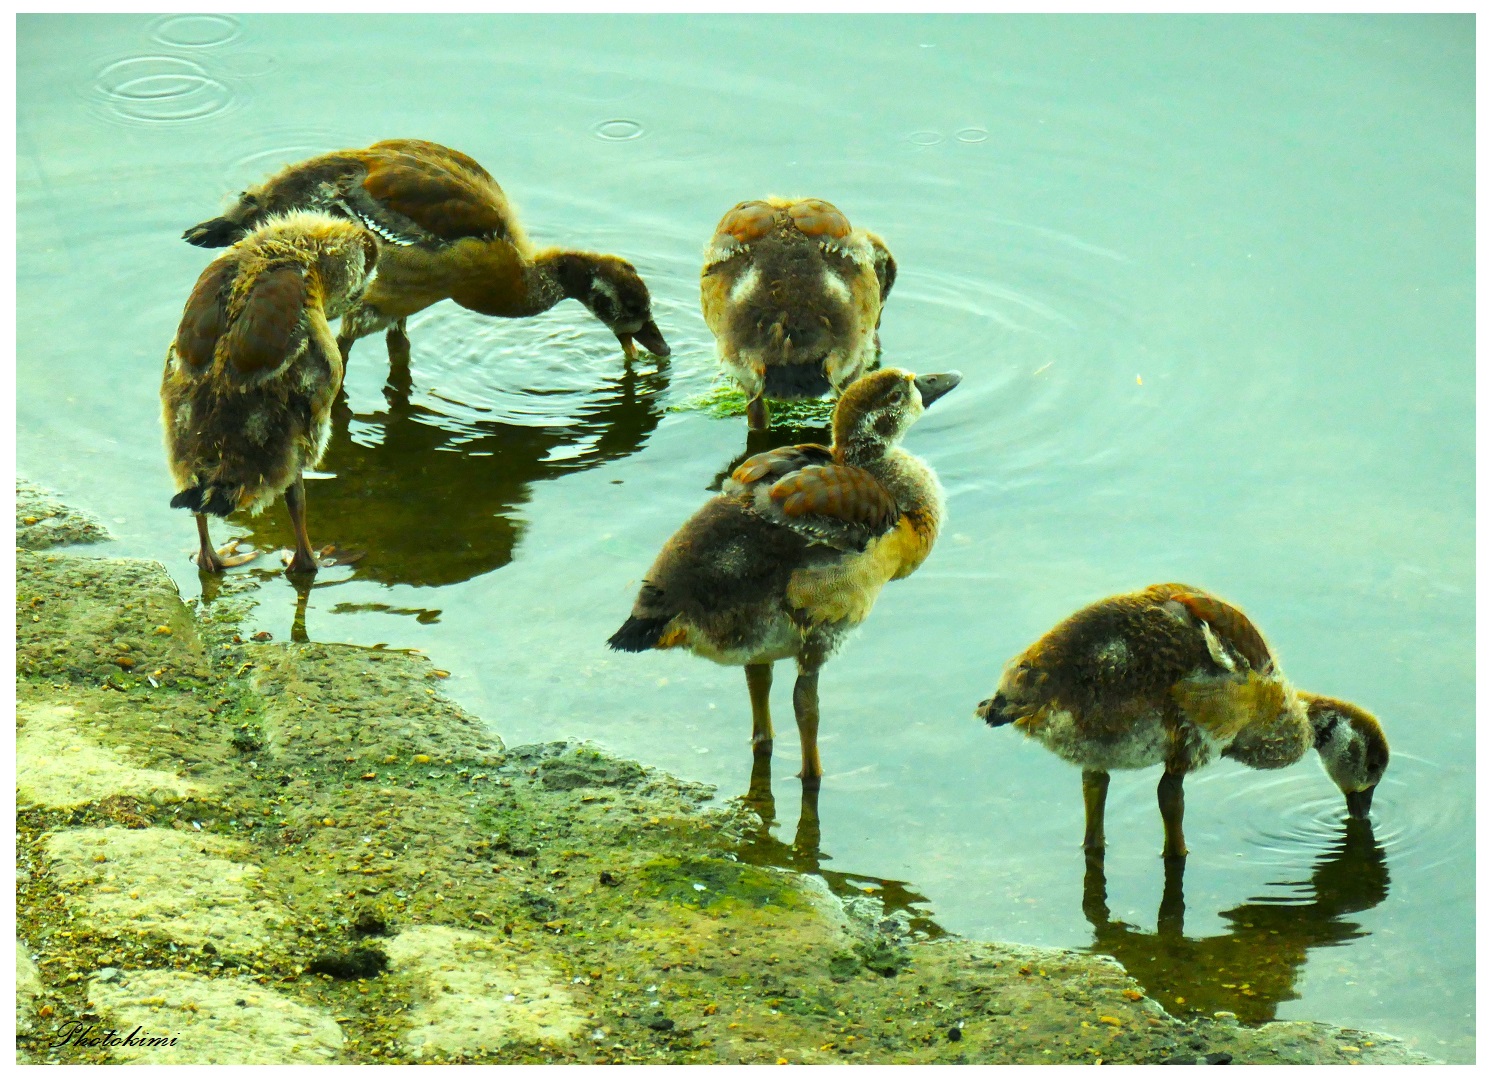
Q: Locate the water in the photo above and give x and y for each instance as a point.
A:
(1210, 282)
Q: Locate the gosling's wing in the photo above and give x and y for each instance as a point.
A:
(1231, 626)
(771, 466)
(406, 199)
(205, 317)
(842, 506)
(885, 267)
(267, 327)
(432, 151)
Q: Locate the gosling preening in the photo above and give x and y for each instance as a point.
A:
(792, 554)
(1172, 675)
(447, 231)
(793, 294)
(253, 370)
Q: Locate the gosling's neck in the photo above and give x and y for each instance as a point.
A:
(912, 483)
(526, 287)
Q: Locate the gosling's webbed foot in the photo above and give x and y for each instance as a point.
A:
(214, 562)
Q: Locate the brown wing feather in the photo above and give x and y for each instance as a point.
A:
(419, 147)
(1231, 625)
(842, 493)
(205, 315)
(268, 329)
(885, 267)
(819, 219)
(780, 462)
(433, 198)
(747, 221)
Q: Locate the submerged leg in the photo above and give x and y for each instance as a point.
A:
(804, 700)
(304, 560)
(215, 561)
(1093, 892)
(1171, 807)
(1171, 908)
(398, 347)
(1093, 788)
(758, 676)
(757, 414)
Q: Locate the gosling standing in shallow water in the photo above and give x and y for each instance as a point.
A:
(249, 380)
(447, 231)
(793, 294)
(792, 554)
(1174, 676)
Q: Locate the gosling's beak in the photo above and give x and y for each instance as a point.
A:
(933, 385)
(994, 710)
(649, 336)
(1358, 802)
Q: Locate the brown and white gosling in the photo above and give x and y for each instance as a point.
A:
(447, 231)
(792, 554)
(253, 370)
(1174, 676)
(793, 294)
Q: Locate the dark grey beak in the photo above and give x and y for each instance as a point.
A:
(1358, 802)
(933, 385)
(650, 336)
(994, 710)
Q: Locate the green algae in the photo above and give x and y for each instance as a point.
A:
(726, 400)
(716, 885)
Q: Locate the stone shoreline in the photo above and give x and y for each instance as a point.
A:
(302, 853)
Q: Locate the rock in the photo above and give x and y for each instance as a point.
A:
(42, 521)
(58, 767)
(169, 883)
(473, 994)
(28, 989)
(214, 1021)
(360, 963)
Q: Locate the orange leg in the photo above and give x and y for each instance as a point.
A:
(804, 699)
(758, 676)
(1171, 807)
(758, 414)
(304, 560)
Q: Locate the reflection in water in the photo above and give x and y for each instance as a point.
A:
(433, 501)
(1254, 966)
(804, 854)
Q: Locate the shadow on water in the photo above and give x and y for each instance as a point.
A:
(430, 504)
(804, 854)
(1255, 965)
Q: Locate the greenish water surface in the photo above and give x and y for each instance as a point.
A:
(1209, 281)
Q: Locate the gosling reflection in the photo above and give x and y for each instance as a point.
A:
(429, 502)
(804, 854)
(1254, 966)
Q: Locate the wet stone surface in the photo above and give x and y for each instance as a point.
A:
(262, 811)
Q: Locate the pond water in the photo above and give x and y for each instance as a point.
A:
(1209, 281)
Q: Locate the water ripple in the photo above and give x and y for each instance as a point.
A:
(195, 31)
(160, 89)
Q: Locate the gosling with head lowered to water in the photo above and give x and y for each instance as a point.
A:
(793, 553)
(1174, 676)
(250, 378)
(446, 231)
(793, 293)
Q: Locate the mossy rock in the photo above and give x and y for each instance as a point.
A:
(709, 883)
